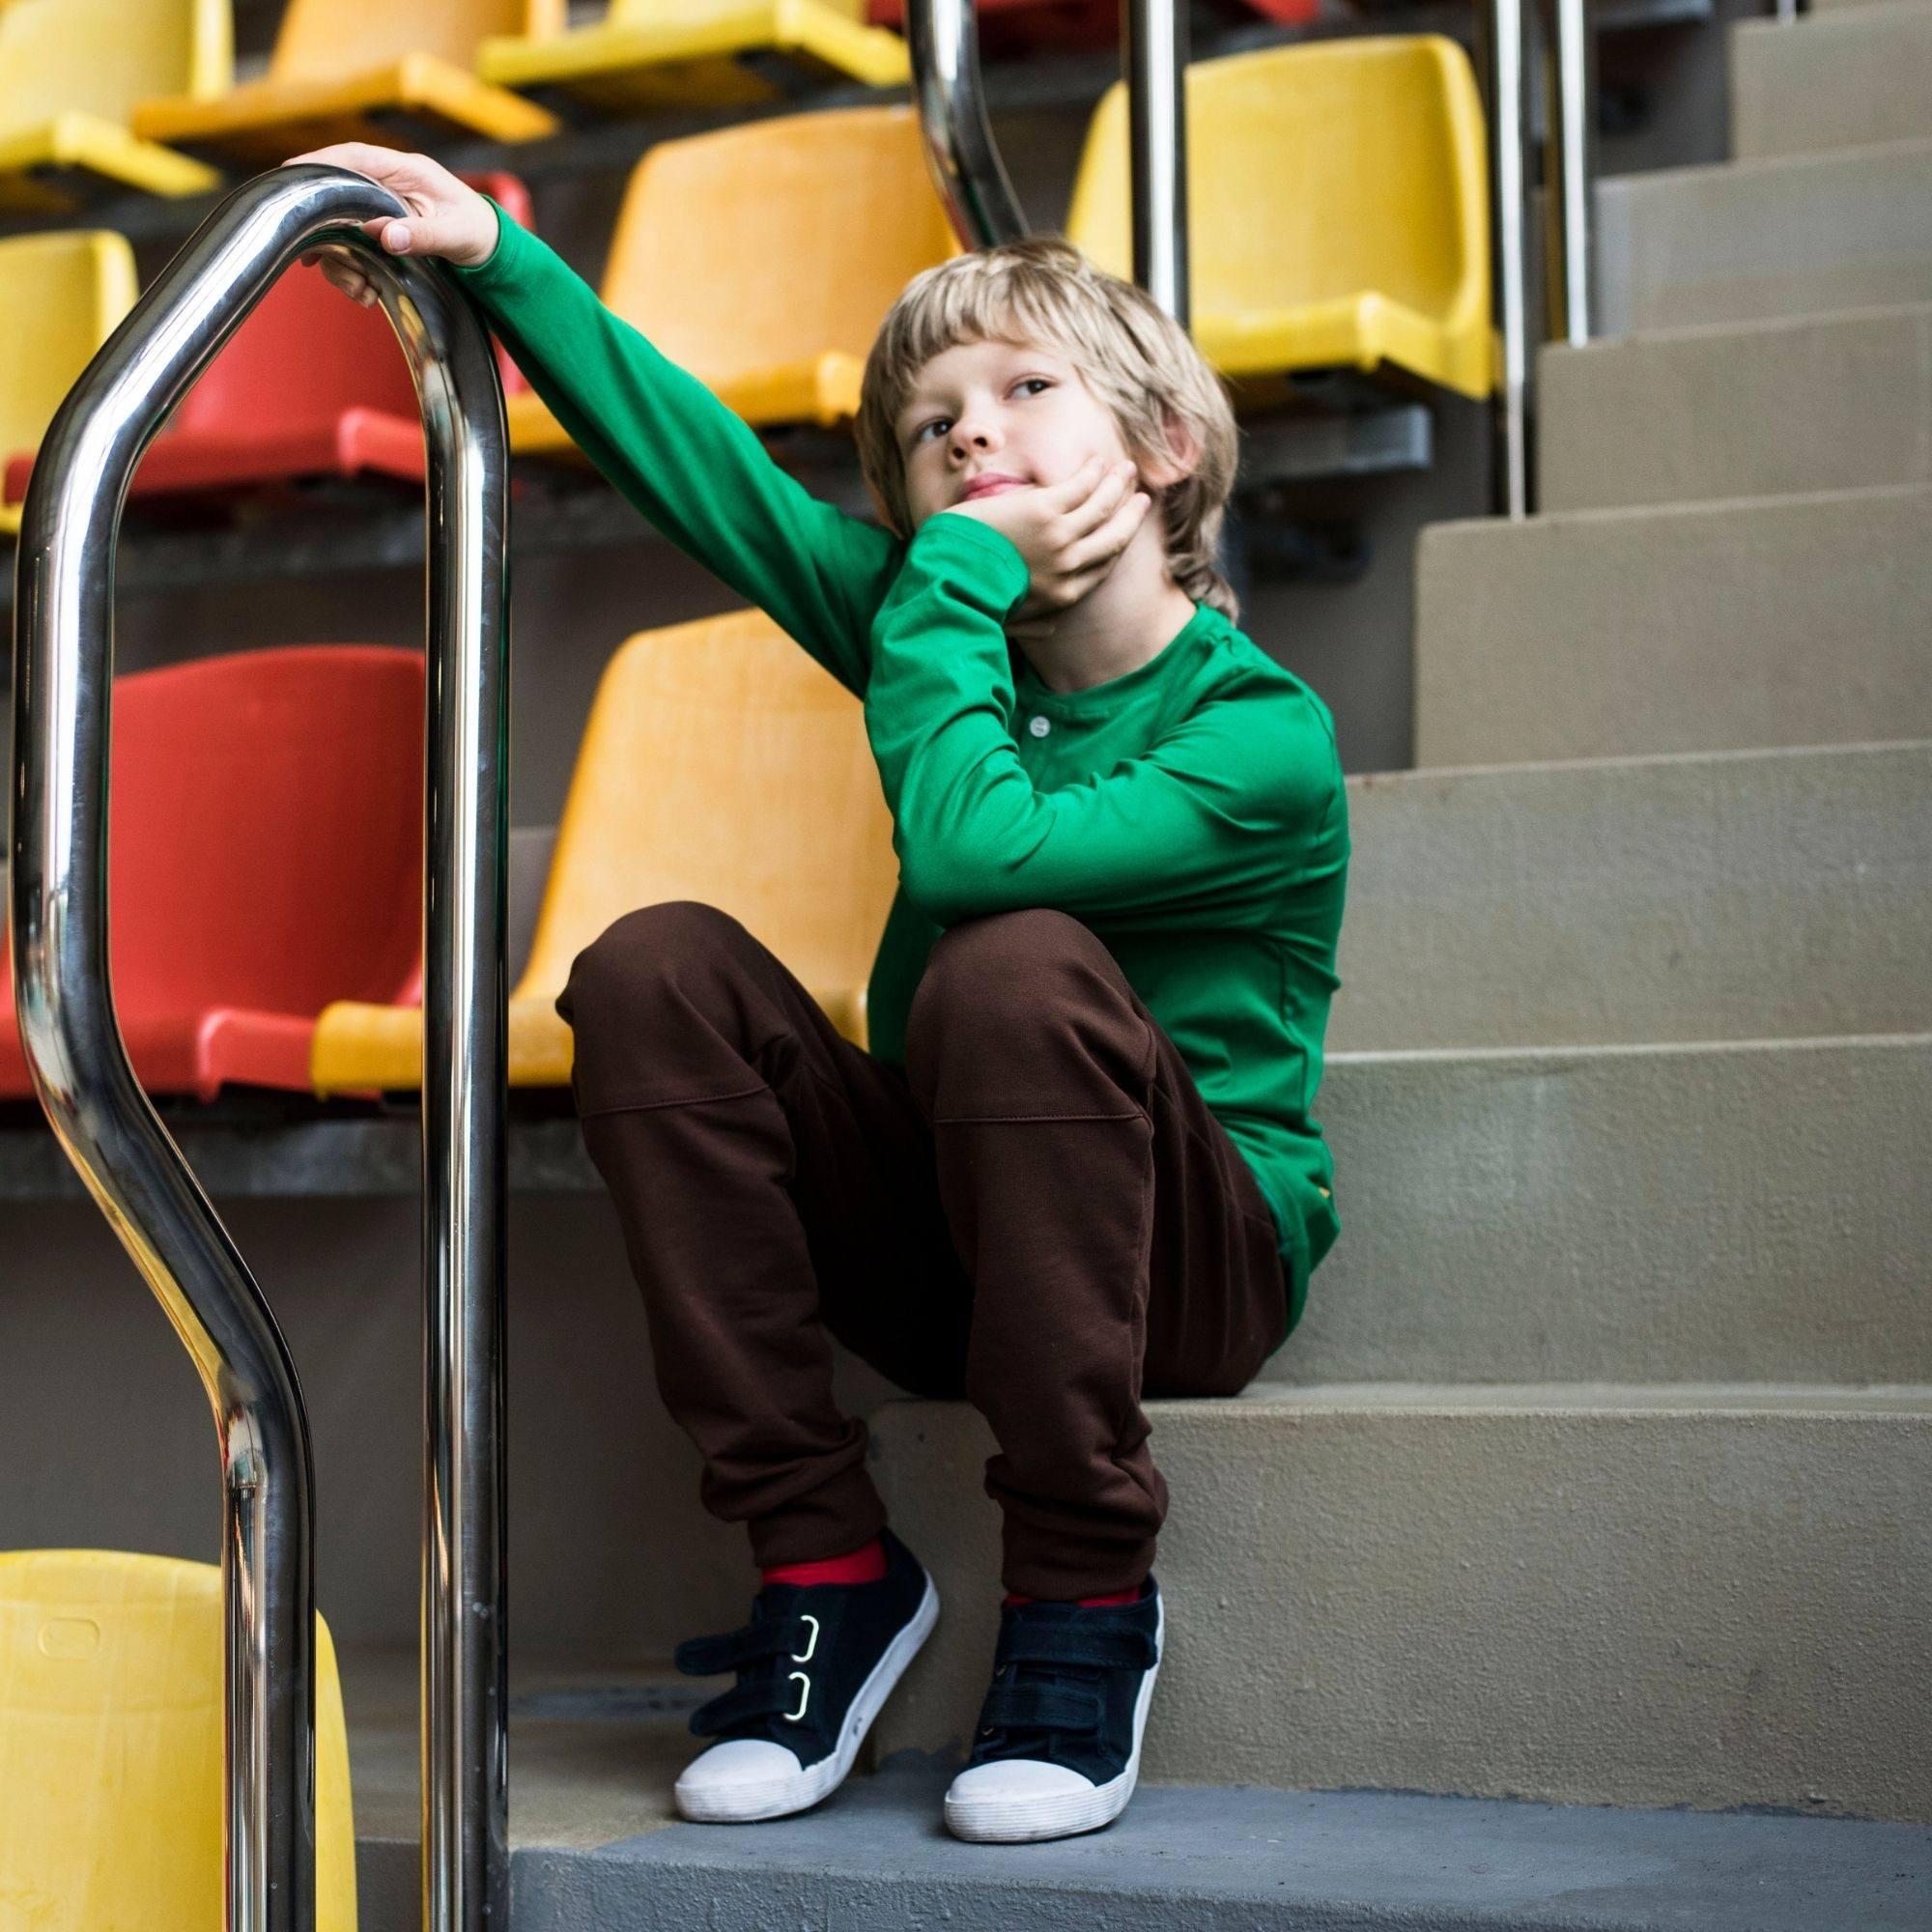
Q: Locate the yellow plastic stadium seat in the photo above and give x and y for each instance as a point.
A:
(71, 73)
(655, 53)
(339, 64)
(1336, 201)
(61, 298)
(763, 257)
(110, 1748)
(720, 763)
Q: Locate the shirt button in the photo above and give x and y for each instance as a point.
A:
(1040, 728)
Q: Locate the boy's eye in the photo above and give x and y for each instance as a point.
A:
(942, 423)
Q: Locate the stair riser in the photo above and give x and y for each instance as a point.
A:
(1752, 1214)
(1765, 410)
(1794, 621)
(1856, 79)
(1706, 1609)
(1742, 242)
(1774, 896)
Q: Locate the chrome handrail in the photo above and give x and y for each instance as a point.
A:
(1505, 101)
(943, 43)
(1570, 170)
(1568, 216)
(1154, 57)
(63, 684)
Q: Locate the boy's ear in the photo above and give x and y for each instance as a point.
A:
(1186, 458)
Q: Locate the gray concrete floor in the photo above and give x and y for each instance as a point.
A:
(594, 1752)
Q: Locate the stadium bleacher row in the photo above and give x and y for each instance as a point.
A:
(147, 97)
(1308, 253)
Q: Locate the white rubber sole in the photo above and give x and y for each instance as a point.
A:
(1011, 1821)
(744, 1803)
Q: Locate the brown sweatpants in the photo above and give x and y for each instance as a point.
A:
(1037, 1212)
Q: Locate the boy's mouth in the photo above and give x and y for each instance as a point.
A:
(984, 486)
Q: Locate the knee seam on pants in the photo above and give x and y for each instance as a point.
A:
(689, 1100)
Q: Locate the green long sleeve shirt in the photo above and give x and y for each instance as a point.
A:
(1191, 813)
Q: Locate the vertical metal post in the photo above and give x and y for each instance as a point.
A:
(965, 164)
(63, 684)
(465, 1708)
(1512, 490)
(1569, 171)
(1154, 56)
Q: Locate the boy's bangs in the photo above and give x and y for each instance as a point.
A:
(1010, 308)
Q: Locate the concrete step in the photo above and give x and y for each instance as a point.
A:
(1763, 409)
(1727, 895)
(1795, 620)
(1608, 1595)
(1743, 240)
(1741, 1212)
(873, 1858)
(1856, 78)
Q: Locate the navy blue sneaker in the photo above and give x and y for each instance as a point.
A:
(1058, 1747)
(814, 1665)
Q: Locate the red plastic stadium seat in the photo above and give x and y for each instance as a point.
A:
(264, 859)
(309, 385)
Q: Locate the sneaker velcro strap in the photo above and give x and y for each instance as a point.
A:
(713, 1656)
(772, 1698)
(1113, 1646)
(1049, 1707)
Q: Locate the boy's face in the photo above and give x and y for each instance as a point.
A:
(985, 416)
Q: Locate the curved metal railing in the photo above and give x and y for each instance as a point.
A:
(61, 686)
(943, 42)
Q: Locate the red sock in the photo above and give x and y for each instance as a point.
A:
(1085, 1603)
(864, 1565)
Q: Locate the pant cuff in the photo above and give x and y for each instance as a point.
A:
(839, 1515)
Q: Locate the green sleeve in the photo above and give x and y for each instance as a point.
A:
(688, 464)
(1209, 820)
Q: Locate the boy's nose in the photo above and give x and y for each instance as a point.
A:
(970, 436)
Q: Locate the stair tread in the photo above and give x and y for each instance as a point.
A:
(1770, 1399)
(875, 1855)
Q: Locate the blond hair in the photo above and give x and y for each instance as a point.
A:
(1133, 356)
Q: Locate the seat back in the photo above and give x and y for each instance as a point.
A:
(721, 763)
(766, 246)
(61, 297)
(306, 355)
(265, 831)
(102, 56)
(1316, 173)
(111, 1703)
(322, 38)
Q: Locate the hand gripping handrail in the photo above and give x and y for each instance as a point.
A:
(63, 682)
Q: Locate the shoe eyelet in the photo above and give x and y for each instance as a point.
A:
(794, 1716)
(811, 1644)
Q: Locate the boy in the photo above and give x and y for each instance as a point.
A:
(1076, 1165)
